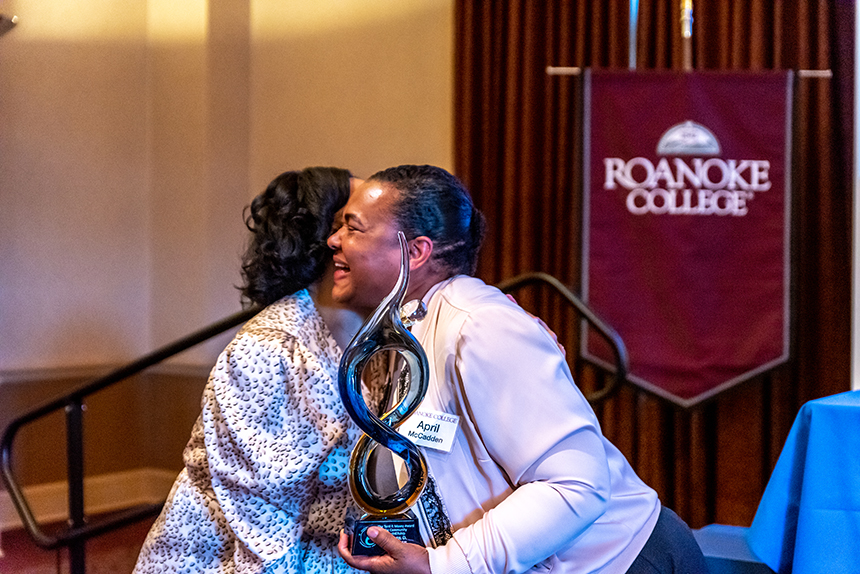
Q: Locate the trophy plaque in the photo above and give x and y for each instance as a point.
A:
(384, 331)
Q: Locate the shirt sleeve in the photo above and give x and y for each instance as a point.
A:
(540, 430)
(273, 437)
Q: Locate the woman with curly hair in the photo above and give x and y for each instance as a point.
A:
(264, 487)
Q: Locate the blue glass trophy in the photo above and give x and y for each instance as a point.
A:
(385, 331)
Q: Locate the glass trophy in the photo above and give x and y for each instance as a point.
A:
(385, 331)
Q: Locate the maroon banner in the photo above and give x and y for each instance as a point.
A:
(686, 225)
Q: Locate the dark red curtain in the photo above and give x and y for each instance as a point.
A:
(518, 148)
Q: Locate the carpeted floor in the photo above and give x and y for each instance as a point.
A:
(113, 553)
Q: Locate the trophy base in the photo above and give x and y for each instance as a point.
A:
(401, 526)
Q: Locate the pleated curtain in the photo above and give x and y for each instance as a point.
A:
(518, 149)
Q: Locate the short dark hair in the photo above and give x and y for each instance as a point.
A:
(289, 224)
(434, 203)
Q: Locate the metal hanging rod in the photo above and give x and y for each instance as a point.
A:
(563, 71)
(825, 74)
(576, 70)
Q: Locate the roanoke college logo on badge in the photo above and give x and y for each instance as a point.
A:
(690, 181)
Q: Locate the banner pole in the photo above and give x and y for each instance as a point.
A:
(634, 23)
(855, 247)
(687, 33)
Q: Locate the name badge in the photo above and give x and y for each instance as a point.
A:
(432, 429)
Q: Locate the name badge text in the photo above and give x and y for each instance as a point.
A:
(431, 429)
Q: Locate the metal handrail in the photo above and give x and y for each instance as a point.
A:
(608, 333)
(72, 403)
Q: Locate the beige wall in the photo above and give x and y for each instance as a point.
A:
(133, 133)
(74, 245)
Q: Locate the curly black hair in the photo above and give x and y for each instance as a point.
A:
(290, 223)
(434, 203)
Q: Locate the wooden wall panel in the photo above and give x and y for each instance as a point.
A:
(142, 422)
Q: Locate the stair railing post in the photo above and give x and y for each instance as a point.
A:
(75, 459)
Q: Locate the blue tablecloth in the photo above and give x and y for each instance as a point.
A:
(808, 520)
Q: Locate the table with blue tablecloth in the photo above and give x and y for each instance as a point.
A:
(808, 520)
